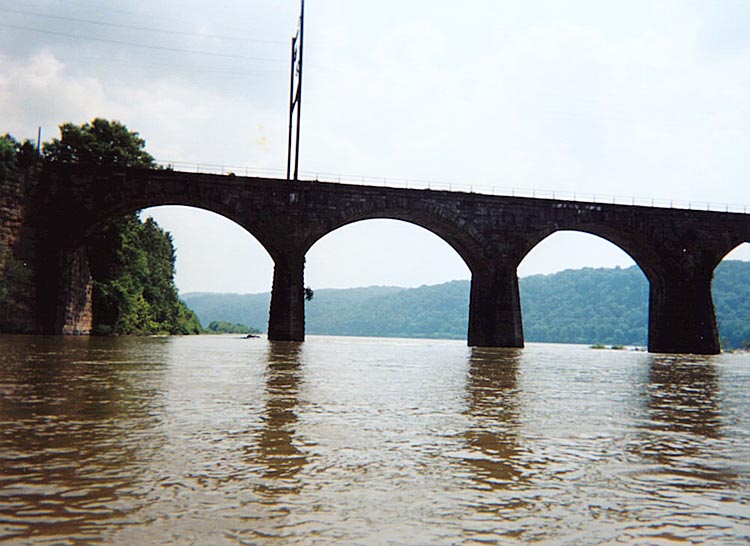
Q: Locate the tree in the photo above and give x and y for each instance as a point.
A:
(101, 142)
(131, 261)
(8, 149)
(226, 327)
(14, 154)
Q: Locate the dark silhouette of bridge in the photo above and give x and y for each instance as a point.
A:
(676, 249)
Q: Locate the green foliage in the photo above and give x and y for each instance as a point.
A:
(606, 306)
(428, 311)
(8, 150)
(14, 154)
(731, 291)
(250, 309)
(132, 263)
(224, 327)
(101, 142)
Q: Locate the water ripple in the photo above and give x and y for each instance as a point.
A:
(213, 440)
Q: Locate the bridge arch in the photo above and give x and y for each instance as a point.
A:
(452, 229)
(77, 268)
(735, 249)
(574, 319)
(76, 201)
(494, 315)
(80, 231)
(416, 256)
(629, 243)
(384, 253)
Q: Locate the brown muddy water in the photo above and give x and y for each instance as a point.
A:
(220, 440)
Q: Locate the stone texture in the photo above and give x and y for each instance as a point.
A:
(76, 288)
(16, 256)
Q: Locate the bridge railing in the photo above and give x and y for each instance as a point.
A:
(416, 184)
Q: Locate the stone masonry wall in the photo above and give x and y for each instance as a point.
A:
(17, 272)
(25, 267)
(78, 288)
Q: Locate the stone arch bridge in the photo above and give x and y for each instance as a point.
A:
(676, 249)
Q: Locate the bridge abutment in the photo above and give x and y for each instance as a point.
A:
(495, 308)
(286, 320)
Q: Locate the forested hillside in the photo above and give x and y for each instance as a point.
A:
(607, 306)
(586, 306)
(731, 290)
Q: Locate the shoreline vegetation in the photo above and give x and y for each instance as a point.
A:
(615, 347)
(224, 327)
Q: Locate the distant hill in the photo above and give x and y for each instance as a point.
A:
(586, 306)
(574, 306)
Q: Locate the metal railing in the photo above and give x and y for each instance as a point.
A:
(419, 184)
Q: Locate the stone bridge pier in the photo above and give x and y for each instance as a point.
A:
(286, 317)
(495, 309)
(681, 315)
(681, 308)
(495, 304)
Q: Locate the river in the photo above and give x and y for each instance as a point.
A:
(222, 440)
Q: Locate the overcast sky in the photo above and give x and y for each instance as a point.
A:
(631, 98)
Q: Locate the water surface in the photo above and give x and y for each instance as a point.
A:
(222, 440)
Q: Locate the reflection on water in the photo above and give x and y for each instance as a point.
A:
(221, 440)
(687, 465)
(682, 430)
(683, 395)
(276, 449)
(492, 387)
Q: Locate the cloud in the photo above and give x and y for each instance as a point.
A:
(178, 121)
(566, 105)
(637, 98)
(39, 91)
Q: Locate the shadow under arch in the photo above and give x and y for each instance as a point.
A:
(386, 255)
(613, 309)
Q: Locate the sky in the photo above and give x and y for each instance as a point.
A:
(632, 98)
